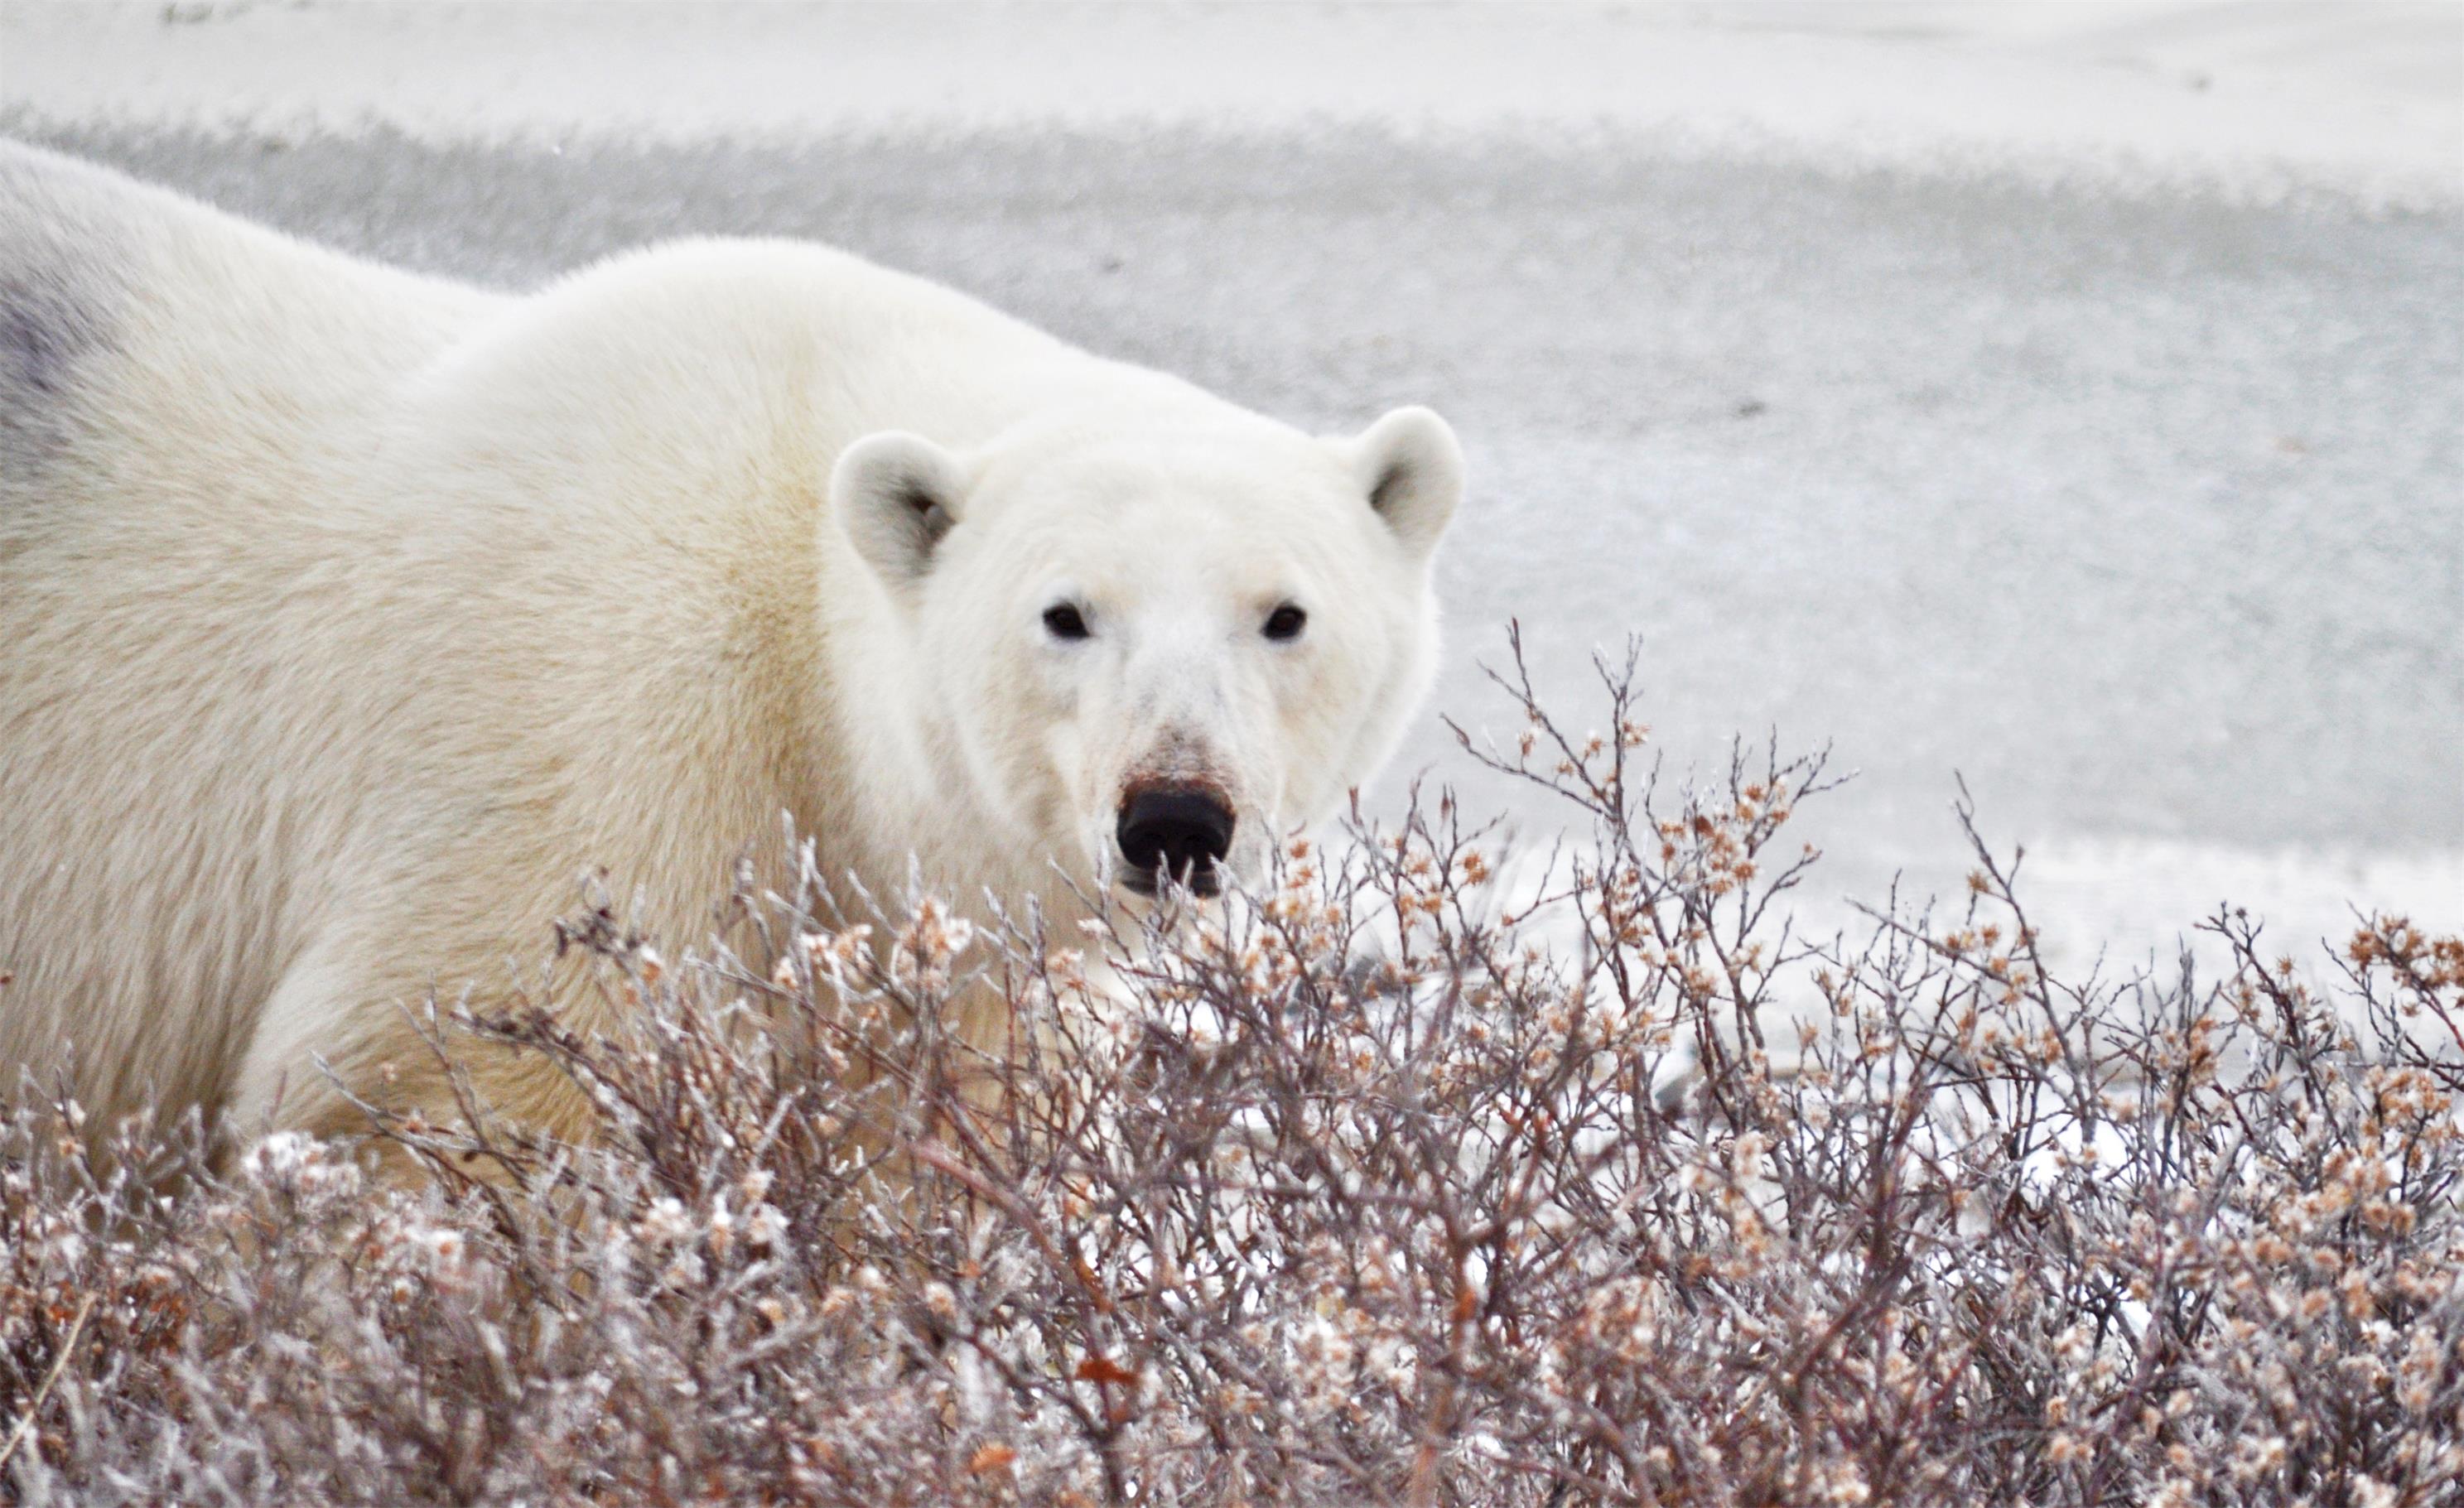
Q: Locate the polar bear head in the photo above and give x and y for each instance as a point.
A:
(1154, 651)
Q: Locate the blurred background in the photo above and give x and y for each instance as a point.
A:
(2069, 397)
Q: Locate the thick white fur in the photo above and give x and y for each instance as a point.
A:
(346, 617)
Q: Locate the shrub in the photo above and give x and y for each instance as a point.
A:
(1354, 1192)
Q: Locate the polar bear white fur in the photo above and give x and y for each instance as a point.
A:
(347, 616)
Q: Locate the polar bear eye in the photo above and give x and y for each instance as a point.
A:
(1064, 622)
(1285, 623)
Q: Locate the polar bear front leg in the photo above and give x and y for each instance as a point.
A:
(335, 1038)
(311, 1051)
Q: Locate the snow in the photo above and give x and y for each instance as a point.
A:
(2260, 97)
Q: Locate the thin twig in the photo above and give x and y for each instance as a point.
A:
(59, 1364)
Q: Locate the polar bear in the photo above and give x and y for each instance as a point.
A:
(347, 616)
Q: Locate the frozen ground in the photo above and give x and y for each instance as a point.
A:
(2069, 396)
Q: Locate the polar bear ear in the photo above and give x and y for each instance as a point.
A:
(1412, 469)
(895, 494)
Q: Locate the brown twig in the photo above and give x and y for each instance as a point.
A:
(59, 1364)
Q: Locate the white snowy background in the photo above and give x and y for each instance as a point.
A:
(2066, 395)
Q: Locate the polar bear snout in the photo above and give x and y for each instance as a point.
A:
(1182, 831)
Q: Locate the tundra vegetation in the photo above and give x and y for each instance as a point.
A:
(1395, 1183)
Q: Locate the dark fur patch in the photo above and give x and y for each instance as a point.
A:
(62, 252)
(42, 331)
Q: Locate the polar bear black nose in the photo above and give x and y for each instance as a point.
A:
(1175, 830)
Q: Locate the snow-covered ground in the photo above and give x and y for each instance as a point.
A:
(2260, 95)
(2071, 396)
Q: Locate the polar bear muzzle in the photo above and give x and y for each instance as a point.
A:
(1182, 831)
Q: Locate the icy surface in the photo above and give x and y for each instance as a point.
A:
(2070, 397)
